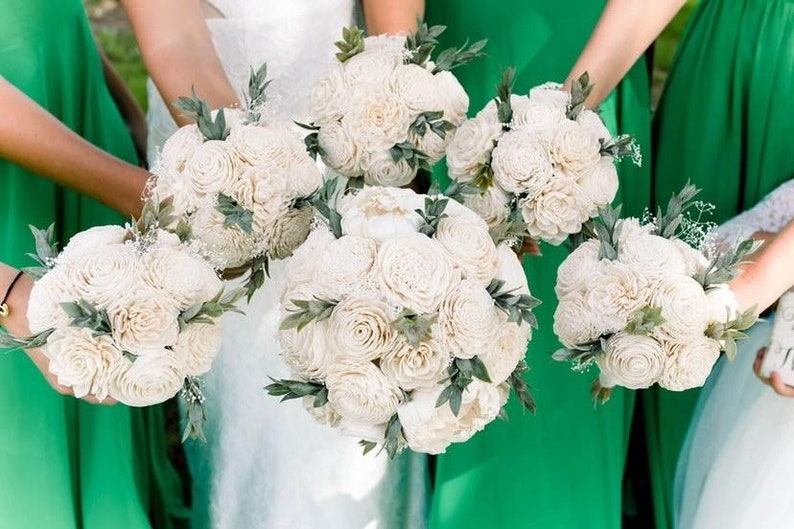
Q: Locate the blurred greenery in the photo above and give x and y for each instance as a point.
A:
(116, 38)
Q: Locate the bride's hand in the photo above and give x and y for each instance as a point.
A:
(16, 323)
(775, 381)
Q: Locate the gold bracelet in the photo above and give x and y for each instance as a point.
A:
(4, 310)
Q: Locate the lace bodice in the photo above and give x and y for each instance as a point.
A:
(770, 214)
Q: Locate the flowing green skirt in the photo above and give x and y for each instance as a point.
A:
(65, 464)
(724, 122)
(563, 467)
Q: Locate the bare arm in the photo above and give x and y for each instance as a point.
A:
(623, 33)
(34, 139)
(770, 273)
(392, 16)
(179, 53)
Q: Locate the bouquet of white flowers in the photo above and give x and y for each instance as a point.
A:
(539, 164)
(403, 322)
(130, 313)
(644, 305)
(241, 187)
(385, 110)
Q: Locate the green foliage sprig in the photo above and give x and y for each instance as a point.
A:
(434, 122)
(198, 110)
(256, 97)
(312, 310)
(668, 221)
(645, 320)
(194, 413)
(727, 333)
(461, 373)
(209, 311)
(86, 316)
(323, 201)
(521, 388)
(352, 43)
(504, 108)
(432, 214)
(46, 251)
(297, 389)
(234, 214)
(580, 91)
(414, 157)
(414, 327)
(725, 266)
(518, 307)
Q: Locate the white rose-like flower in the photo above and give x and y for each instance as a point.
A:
(340, 150)
(82, 361)
(224, 247)
(510, 270)
(593, 124)
(534, 113)
(377, 120)
(361, 393)
(179, 148)
(270, 190)
(416, 273)
(415, 87)
(213, 168)
(144, 320)
(304, 260)
(375, 433)
(328, 101)
(579, 268)
(423, 366)
(685, 308)
(575, 324)
(689, 363)
(634, 362)
(197, 347)
(180, 275)
(167, 183)
(551, 94)
(102, 275)
(723, 305)
(304, 176)
(493, 206)
(151, 379)
(394, 44)
(468, 320)
(651, 255)
(574, 149)
(44, 310)
(601, 184)
(471, 147)
(429, 429)
(452, 96)
(380, 169)
(307, 351)
(345, 264)
(360, 328)
(90, 241)
(380, 213)
(507, 351)
(557, 211)
(267, 147)
(469, 246)
(521, 163)
(617, 291)
(289, 231)
(631, 229)
(694, 260)
(371, 68)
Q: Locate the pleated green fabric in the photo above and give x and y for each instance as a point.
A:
(66, 464)
(561, 468)
(724, 122)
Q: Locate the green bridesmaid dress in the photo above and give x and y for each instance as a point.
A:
(563, 467)
(65, 464)
(724, 122)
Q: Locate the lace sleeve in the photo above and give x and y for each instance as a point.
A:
(770, 214)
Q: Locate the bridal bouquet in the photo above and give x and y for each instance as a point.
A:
(240, 187)
(540, 163)
(403, 322)
(130, 313)
(645, 305)
(384, 110)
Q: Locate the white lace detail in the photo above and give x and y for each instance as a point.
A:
(267, 464)
(770, 214)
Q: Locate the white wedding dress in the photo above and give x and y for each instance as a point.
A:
(266, 464)
(737, 464)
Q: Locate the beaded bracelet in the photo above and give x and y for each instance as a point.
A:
(4, 311)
